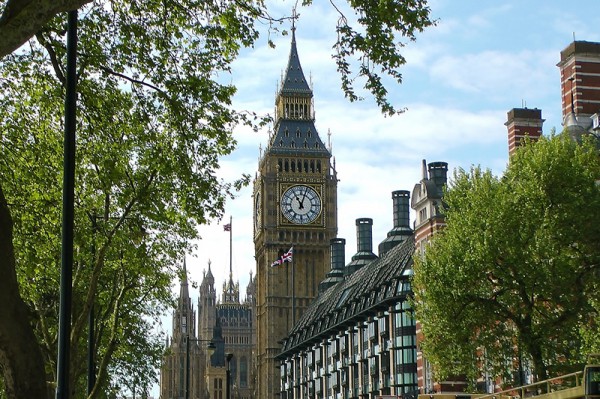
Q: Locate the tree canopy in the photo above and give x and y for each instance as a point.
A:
(513, 278)
(153, 122)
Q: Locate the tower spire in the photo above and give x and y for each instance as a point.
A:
(294, 17)
(294, 112)
(230, 247)
(294, 82)
(184, 294)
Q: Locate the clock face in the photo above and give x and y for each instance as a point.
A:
(257, 214)
(300, 204)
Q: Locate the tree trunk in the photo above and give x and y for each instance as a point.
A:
(21, 19)
(537, 359)
(20, 355)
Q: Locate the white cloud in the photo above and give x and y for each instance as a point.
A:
(461, 78)
(487, 17)
(487, 71)
(457, 98)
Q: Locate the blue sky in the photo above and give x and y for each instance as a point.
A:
(461, 78)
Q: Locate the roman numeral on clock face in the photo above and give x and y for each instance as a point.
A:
(301, 204)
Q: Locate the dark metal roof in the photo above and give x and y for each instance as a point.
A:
(297, 137)
(359, 260)
(394, 237)
(373, 286)
(294, 82)
(332, 278)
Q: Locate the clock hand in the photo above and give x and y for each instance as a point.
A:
(300, 202)
(304, 196)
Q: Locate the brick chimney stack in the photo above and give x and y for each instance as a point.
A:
(580, 80)
(523, 122)
(427, 202)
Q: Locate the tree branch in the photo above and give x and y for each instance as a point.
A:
(113, 341)
(21, 19)
(136, 81)
(53, 58)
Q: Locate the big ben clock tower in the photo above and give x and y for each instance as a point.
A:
(295, 204)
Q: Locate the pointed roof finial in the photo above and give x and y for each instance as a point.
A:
(209, 276)
(229, 228)
(294, 82)
(184, 294)
(294, 17)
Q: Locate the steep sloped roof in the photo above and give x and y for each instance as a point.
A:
(297, 137)
(294, 82)
(376, 285)
(295, 132)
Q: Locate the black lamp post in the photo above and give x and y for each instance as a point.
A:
(228, 357)
(211, 348)
(68, 213)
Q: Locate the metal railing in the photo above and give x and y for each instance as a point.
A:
(549, 386)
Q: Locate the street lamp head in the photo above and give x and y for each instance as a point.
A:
(211, 348)
(229, 356)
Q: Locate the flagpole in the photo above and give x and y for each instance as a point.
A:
(289, 257)
(293, 288)
(230, 245)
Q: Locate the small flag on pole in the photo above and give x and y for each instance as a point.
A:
(286, 257)
(227, 227)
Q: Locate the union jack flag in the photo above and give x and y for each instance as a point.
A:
(227, 227)
(286, 257)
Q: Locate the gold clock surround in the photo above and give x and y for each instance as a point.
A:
(257, 212)
(301, 204)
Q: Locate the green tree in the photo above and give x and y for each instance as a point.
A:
(514, 275)
(153, 122)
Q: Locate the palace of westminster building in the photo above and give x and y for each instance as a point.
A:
(321, 327)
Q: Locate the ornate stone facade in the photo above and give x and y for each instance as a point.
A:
(184, 360)
(295, 205)
(236, 320)
(229, 325)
